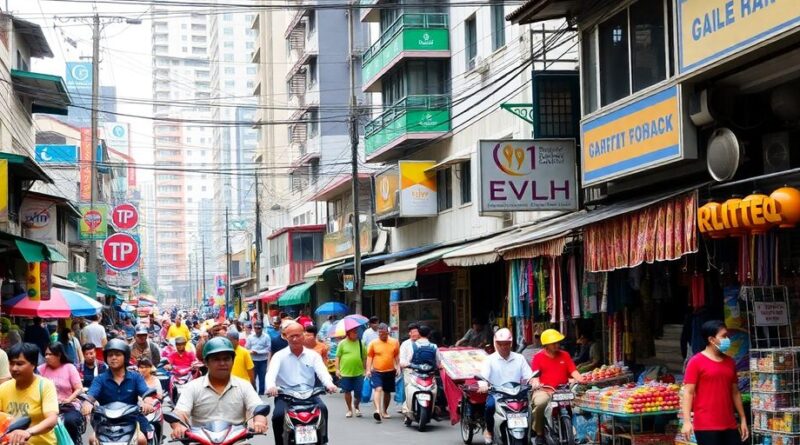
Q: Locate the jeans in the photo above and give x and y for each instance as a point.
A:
(724, 437)
(260, 370)
(488, 414)
(280, 413)
(73, 421)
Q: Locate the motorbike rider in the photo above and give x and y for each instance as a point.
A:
(423, 351)
(555, 368)
(118, 384)
(91, 367)
(294, 366)
(143, 347)
(501, 367)
(181, 360)
(217, 395)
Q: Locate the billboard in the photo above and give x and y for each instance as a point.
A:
(39, 221)
(86, 165)
(94, 221)
(3, 191)
(117, 136)
(79, 75)
(527, 175)
(387, 185)
(56, 154)
(417, 189)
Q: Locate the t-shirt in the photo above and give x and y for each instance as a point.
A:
(553, 371)
(4, 370)
(383, 354)
(713, 401)
(322, 349)
(89, 374)
(242, 363)
(178, 331)
(31, 402)
(351, 354)
(181, 362)
(94, 333)
(65, 377)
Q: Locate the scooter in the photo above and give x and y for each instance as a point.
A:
(20, 423)
(471, 408)
(156, 420)
(422, 389)
(217, 432)
(512, 414)
(177, 380)
(303, 422)
(117, 423)
(558, 429)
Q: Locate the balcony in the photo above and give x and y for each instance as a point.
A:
(411, 120)
(410, 36)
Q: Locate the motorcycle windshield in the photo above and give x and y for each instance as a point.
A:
(117, 410)
(511, 389)
(301, 392)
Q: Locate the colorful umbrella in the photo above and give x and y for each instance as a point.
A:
(63, 303)
(332, 308)
(347, 323)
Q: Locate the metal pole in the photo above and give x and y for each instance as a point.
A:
(354, 163)
(197, 280)
(189, 258)
(258, 247)
(92, 260)
(227, 264)
(203, 239)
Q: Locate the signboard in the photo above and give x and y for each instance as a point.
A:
(462, 363)
(121, 251)
(86, 280)
(45, 280)
(3, 191)
(79, 75)
(709, 30)
(338, 244)
(774, 313)
(117, 136)
(86, 165)
(755, 214)
(638, 136)
(125, 217)
(387, 185)
(417, 189)
(527, 175)
(56, 153)
(39, 222)
(94, 221)
(38, 281)
(522, 111)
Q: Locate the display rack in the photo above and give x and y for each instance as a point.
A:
(635, 436)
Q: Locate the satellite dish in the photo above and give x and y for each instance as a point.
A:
(724, 154)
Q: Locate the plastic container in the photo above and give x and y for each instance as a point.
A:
(782, 421)
(773, 359)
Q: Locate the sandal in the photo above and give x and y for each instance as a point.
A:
(358, 413)
(349, 414)
(377, 416)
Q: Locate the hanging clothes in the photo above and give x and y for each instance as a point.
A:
(697, 291)
(575, 294)
(541, 286)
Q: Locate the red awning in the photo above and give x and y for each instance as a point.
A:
(268, 296)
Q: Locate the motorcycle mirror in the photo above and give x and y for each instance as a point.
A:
(20, 423)
(172, 418)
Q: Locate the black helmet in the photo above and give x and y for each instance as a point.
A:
(118, 345)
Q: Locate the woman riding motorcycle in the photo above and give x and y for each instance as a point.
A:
(65, 376)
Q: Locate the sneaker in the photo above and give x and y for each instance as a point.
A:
(358, 413)
(349, 414)
(377, 416)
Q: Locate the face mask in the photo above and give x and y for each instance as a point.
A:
(724, 345)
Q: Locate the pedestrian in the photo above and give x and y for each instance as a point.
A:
(179, 329)
(242, 361)
(372, 332)
(711, 392)
(304, 319)
(95, 333)
(128, 328)
(91, 367)
(74, 354)
(58, 369)
(277, 342)
(350, 360)
(37, 334)
(258, 343)
(324, 331)
(382, 368)
(310, 342)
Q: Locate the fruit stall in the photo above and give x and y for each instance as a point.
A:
(608, 375)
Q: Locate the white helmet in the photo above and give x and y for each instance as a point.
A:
(503, 335)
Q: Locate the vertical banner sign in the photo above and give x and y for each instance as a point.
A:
(33, 281)
(125, 217)
(528, 175)
(417, 189)
(45, 280)
(3, 191)
(94, 221)
(386, 186)
(87, 280)
(86, 165)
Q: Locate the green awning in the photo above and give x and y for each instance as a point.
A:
(107, 291)
(48, 93)
(390, 286)
(25, 167)
(300, 294)
(55, 255)
(32, 251)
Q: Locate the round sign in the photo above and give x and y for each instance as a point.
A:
(125, 216)
(121, 251)
(93, 218)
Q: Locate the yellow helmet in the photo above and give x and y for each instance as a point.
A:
(550, 336)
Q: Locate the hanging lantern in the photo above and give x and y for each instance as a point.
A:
(710, 220)
(759, 213)
(788, 199)
(731, 218)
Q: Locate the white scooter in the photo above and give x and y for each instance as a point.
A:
(421, 390)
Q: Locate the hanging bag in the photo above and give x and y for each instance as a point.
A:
(366, 387)
(62, 436)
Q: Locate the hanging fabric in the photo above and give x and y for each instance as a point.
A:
(575, 295)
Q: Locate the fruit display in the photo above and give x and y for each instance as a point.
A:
(633, 399)
(606, 373)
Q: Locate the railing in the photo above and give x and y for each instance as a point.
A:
(402, 106)
(407, 20)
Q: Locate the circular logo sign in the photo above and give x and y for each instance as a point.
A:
(121, 251)
(38, 218)
(80, 73)
(118, 131)
(93, 218)
(125, 216)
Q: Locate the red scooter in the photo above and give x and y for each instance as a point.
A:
(217, 432)
(303, 422)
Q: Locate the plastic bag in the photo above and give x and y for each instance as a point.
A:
(400, 389)
(62, 436)
(366, 391)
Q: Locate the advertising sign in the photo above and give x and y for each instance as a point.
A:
(39, 222)
(3, 191)
(86, 165)
(56, 154)
(527, 175)
(94, 221)
(121, 251)
(417, 189)
(641, 135)
(338, 244)
(79, 75)
(386, 186)
(771, 313)
(86, 280)
(711, 29)
(125, 217)
(117, 136)
(45, 280)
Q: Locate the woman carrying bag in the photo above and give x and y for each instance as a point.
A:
(58, 369)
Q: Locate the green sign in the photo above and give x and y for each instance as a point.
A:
(87, 280)
(412, 121)
(94, 221)
(409, 39)
(522, 111)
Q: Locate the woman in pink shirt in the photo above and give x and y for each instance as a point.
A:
(67, 380)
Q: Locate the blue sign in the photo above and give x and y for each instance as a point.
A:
(79, 75)
(56, 154)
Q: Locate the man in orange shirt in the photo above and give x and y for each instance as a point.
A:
(310, 342)
(383, 366)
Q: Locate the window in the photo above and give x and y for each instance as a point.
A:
(184, 49)
(465, 182)
(228, 31)
(230, 70)
(184, 38)
(444, 189)
(614, 70)
(312, 21)
(228, 44)
(249, 45)
(230, 83)
(313, 123)
(648, 55)
(251, 71)
(227, 17)
(203, 188)
(307, 247)
(277, 250)
(312, 72)
(61, 225)
(227, 57)
(188, 188)
(471, 41)
(498, 25)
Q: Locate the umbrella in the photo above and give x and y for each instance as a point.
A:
(63, 303)
(340, 328)
(81, 305)
(331, 308)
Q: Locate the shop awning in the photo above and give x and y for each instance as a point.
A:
(401, 274)
(481, 252)
(241, 281)
(107, 291)
(300, 294)
(449, 161)
(47, 92)
(55, 255)
(267, 296)
(320, 268)
(400, 255)
(25, 167)
(32, 251)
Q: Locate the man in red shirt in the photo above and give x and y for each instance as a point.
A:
(553, 367)
(181, 360)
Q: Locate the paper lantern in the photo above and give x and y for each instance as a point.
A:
(731, 217)
(759, 213)
(710, 220)
(788, 199)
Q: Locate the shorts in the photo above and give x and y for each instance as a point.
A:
(723, 437)
(383, 380)
(352, 384)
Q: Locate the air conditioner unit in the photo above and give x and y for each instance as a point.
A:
(780, 151)
(481, 66)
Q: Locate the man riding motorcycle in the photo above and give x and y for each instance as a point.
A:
(143, 347)
(181, 361)
(295, 366)
(217, 395)
(501, 367)
(555, 368)
(118, 384)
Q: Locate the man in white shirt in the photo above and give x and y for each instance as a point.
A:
(407, 347)
(95, 333)
(500, 368)
(296, 366)
(372, 333)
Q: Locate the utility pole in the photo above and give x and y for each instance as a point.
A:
(191, 282)
(203, 241)
(354, 161)
(92, 260)
(197, 280)
(258, 246)
(227, 264)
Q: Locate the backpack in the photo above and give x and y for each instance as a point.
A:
(424, 355)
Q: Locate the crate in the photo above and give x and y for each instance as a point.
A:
(768, 360)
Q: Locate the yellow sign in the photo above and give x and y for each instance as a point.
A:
(642, 134)
(712, 29)
(386, 187)
(417, 189)
(34, 285)
(3, 191)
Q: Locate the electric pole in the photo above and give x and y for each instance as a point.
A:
(258, 247)
(203, 241)
(354, 162)
(92, 260)
(227, 263)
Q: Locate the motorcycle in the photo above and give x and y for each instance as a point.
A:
(558, 429)
(178, 379)
(512, 414)
(217, 432)
(156, 420)
(471, 408)
(422, 389)
(163, 375)
(303, 422)
(117, 423)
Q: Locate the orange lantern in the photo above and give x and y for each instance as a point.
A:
(788, 199)
(731, 218)
(759, 213)
(709, 219)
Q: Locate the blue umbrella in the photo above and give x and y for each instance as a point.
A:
(332, 308)
(81, 305)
